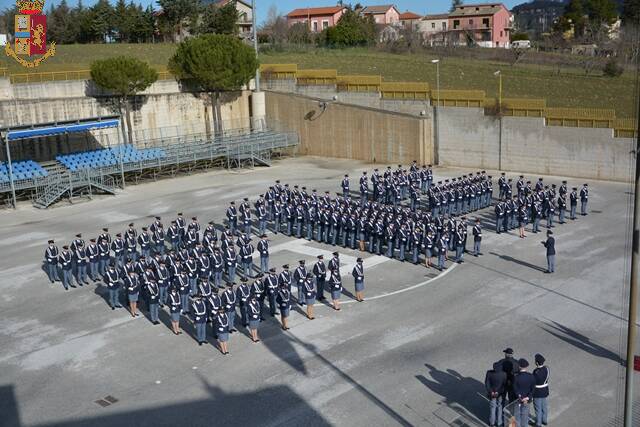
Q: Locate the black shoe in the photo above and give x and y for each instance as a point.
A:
(73, 286)
(113, 308)
(156, 323)
(200, 343)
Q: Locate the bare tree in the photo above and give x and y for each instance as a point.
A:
(275, 26)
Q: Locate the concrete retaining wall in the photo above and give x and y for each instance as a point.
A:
(355, 132)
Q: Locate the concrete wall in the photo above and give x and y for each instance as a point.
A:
(162, 111)
(350, 131)
(468, 138)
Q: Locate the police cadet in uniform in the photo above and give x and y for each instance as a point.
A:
(217, 266)
(181, 282)
(429, 245)
(222, 330)
(51, 255)
(229, 303)
(253, 311)
(541, 391)
(132, 286)
(309, 291)
(358, 278)
(284, 303)
(118, 248)
(550, 244)
(175, 308)
(584, 198)
(80, 256)
(242, 294)
(573, 201)
(495, 383)
(320, 272)
(112, 280)
(231, 262)
(64, 259)
(200, 319)
(300, 276)
(153, 290)
(263, 249)
(523, 386)
(232, 217)
(477, 238)
(93, 254)
(271, 285)
(345, 186)
(335, 283)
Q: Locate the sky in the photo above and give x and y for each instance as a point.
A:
(421, 7)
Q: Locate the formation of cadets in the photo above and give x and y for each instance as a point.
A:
(380, 221)
(193, 273)
(511, 389)
(531, 204)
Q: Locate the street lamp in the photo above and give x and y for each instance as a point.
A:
(255, 40)
(499, 74)
(436, 115)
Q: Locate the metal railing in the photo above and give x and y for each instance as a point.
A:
(51, 76)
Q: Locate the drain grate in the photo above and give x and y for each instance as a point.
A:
(109, 400)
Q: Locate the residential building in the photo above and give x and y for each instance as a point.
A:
(410, 20)
(482, 24)
(537, 17)
(383, 15)
(245, 16)
(317, 18)
(434, 29)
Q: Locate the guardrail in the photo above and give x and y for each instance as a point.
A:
(52, 76)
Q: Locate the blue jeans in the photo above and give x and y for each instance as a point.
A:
(262, 226)
(114, 297)
(402, 249)
(536, 224)
(561, 216)
(583, 207)
(414, 257)
(441, 258)
(390, 248)
(232, 319)
(309, 230)
(102, 266)
(247, 228)
(93, 270)
(153, 311)
(550, 220)
(573, 212)
(247, 267)
(193, 285)
(217, 279)
(52, 272)
(298, 229)
(81, 274)
(540, 405)
(66, 278)
(476, 247)
(495, 411)
(459, 252)
(264, 264)
(551, 263)
(521, 412)
(231, 273)
(162, 294)
(201, 331)
(276, 225)
(498, 225)
(184, 301)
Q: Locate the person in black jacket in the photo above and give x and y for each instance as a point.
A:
(541, 391)
(550, 244)
(523, 385)
(495, 383)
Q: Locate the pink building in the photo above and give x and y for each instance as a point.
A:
(483, 24)
(318, 18)
(384, 15)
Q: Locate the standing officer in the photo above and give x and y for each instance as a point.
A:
(222, 330)
(300, 276)
(191, 268)
(217, 266)
(271, 283)
(477, 238)
(500, 213)
(263, 249)
(231, 262)
(94, 257)
(358, 278)
(550, 244)
(523, 386)
(284, 278)
(153, 290)
(182, 283)
(309, 290)
(112, 280)
(253, 311)
(246, 256)
(118, 248)
(229, 304)
(181, 224)
(232, 217)
(345, 186)
(261, 212)
(509, 365)
(562, 207)
(80, 255)
(336, 288)
(584, 198)
(64, 259)
(103, 253)
(284, 303)
(428, 244)
(200, 319)
(320, 272)
(163, 280)
(132, 286)
(495, 383)
(242, 296)
(573, 201)
(144, 240)
(442, 251)
(51, 255)
(541, 391)
(175, 308)
(174, 233)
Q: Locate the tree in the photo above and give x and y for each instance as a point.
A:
(351, 30)
(275, 26)
(176, 14)
(454, 4)
(220, 20)
(124, 76)
(612, 69)
(631, 12)
(102, 21)
(299, 33)
(574, 15)
(214, 63)
(60, 26)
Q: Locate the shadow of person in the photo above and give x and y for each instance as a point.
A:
(517, 261)
(460, 393)
(580, 341)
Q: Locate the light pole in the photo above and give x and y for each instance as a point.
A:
(499, 75)
(255, 40)
(436, 116)
(257, 97)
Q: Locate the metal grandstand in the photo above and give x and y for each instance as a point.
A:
(111, 167)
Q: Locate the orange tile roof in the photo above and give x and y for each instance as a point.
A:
(314, 11)
(409, 15)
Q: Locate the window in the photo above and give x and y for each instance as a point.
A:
(444, 26)
(325, 24)
(433, 25)
(315, 26)
(470, 21)
(501, 33)
(485, 22)
(456, 23)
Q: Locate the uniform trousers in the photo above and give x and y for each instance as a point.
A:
(264, 264)
(162, 292)
(540, 405)
(114, 297)
(52, 271)
(153, 310)
(476, 247)
(184, 300)
(495, 411)
(572, 213)
(201, 331)
(320, 287)
(521, 412)
(551, 263)
(81, 273)
(66, 278)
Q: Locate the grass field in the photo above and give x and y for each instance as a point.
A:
(572, 88)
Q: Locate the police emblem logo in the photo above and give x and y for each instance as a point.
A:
(30, 34)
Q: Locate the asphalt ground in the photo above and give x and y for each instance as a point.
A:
(414, 353)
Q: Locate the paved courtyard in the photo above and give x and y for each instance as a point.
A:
(414, 353)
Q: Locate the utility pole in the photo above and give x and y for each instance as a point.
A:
(255, 40)
(436, 113)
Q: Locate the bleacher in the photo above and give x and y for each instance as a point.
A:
(26, 169)
(109, 157)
